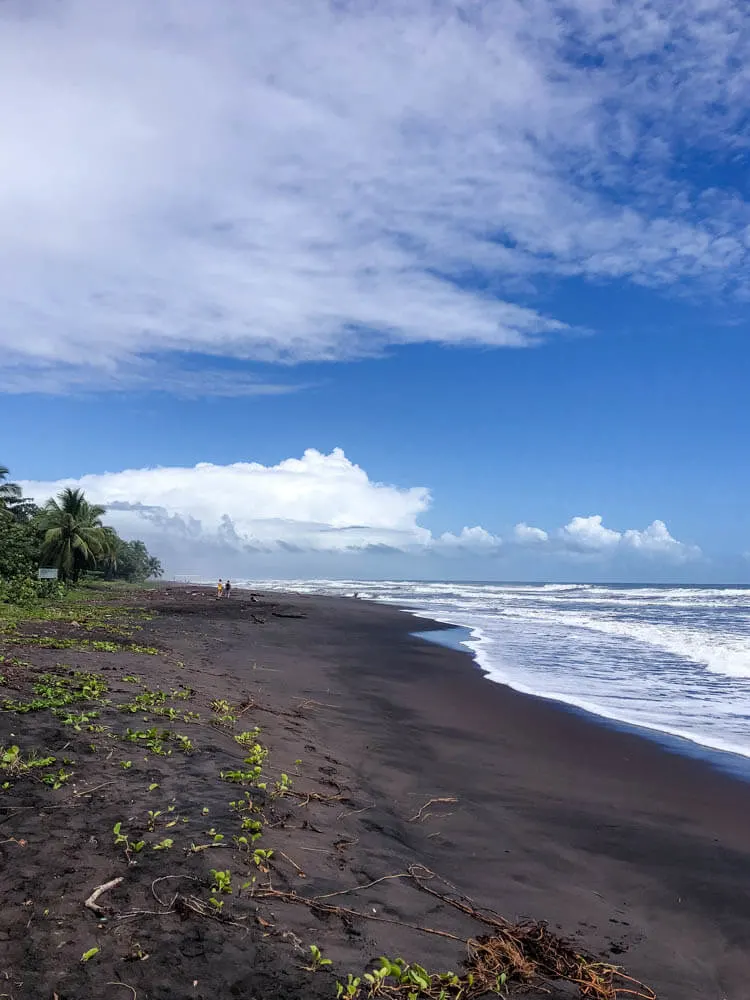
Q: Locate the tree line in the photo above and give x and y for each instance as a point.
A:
(68, 534)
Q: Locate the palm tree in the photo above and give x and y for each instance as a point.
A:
(74, 537)
(8, 492)
(154, 568)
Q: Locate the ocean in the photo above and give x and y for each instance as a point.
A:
(673, 660)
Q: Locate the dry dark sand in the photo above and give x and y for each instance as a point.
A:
(639, 855)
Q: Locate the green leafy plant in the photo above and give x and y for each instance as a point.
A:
(222, 881)
(248, 738)
(350, 989)
(283, 785)
(254, 761)
(185, 744)
(153, 815)
(13, 765)
(56, 779)
(317, 961)
(54, 691)
(261, 858)
(129, 846)
(225, 713)
(154, 739)
(254, 827)
(78, 720)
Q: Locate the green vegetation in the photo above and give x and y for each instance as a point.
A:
(129, 846)
(67, 534)
(316, 959)
(225, 714)
(54, 691)
(13, 765)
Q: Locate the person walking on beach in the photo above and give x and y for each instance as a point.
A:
(227, 588)
(219, 588)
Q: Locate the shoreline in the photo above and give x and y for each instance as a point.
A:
(648, 803)
(724, 758)
(398, 753)
(729, 761)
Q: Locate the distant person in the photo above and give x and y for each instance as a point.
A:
(219, 588)
(227, 588)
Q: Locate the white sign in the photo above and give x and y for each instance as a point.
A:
(46, 574)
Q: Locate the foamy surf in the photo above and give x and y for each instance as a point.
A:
(674, 660)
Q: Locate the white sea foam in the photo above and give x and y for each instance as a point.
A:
(670, 659)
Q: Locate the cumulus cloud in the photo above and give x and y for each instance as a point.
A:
(524, 534)
(590, 537)
(476, 539)
(310, 180)
(317, 502)
(319, 505)
(656, 539)
(588, 534)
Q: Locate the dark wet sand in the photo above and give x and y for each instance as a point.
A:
(640, 855)
(601, 832)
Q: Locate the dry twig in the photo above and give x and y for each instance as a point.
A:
(448, 800)
(125, 985)
(91, 902)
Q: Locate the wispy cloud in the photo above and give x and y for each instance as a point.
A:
(325, 505)
(314, 180)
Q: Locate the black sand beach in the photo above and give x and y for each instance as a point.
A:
(640, 856)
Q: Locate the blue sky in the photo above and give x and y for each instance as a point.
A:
(437, 290)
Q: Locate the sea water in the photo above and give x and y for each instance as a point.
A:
(674, 660)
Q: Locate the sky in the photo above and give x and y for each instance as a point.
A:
(383, 288)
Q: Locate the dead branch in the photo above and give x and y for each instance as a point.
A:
(308, 797)
(164, 878)
(125, 985)
(354, 812)
(294, 864)
(88, 791)
(448, 800)
(91, 902)
(343, 911)
(358, 888)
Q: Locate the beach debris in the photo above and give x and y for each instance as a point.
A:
(421, 816)
(125, 986)
(91, 902)
(525, 955)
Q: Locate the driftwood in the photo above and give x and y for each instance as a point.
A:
(91, 902)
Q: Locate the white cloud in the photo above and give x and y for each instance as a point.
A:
(656, 539)
(589, 534)
(318, 504)
(306, 180)
(524, 534)
(476, 539)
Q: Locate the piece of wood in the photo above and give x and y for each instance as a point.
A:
(91, 902)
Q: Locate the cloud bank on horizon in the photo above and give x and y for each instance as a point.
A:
(321, 505)
(308, 180)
